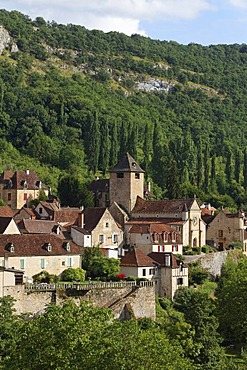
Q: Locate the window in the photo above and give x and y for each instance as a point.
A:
(107, 224)
(120, 175)
(151, 271)
(167, 260)
(9, 196)
(137, 175)
(43, 263)
(22, 263)
(165, 237)
(69, 262)
(40, 210)
(115, 238)
(180, 281)
(143, 272)
(175, 248)
(220, 233)
(101, 238)
(173, 237)
(25, 196)
(63, 263)
(155, 236)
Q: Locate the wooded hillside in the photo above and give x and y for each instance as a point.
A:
(73, 101)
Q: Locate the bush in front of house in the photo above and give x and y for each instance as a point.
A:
(45, 277)
(73, 274)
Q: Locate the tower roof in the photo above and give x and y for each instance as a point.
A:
(127, 164)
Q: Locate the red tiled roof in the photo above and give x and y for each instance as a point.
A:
(6, 211)
(16, 180)
(154, 228)
(159, 257)
(34, 245)
(68, 215)
(38, 226)
(136, 258)
(161, 206)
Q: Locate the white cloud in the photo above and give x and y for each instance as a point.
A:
(239, 3)
(116, 15)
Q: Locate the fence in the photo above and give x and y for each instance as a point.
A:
(87, 286)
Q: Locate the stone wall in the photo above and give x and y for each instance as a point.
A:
(126, 301)
(213, 262)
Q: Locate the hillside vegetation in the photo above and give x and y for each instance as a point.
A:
(74, 100)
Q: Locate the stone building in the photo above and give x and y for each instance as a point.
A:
(226, 228)
(19, 188)
(126, 183)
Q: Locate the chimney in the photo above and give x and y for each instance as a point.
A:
(81, 217)
(27, 171)
(149, 186)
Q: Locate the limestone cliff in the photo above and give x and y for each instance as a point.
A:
(6, 41)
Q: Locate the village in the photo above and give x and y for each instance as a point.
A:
(149, 237)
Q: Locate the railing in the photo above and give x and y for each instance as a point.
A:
(87, 286)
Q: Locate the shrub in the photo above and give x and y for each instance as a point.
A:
(73, 274)
(45, 277)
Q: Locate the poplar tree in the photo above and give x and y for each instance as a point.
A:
(237, 168)
(105, 145)
(245, 170)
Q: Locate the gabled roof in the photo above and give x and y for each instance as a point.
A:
(34, 245)
(68, 215)
(16, 180)
(159, 229)
(161, 206)
(92, 217)
(100, 186)
(38, 226)
(4, 223)
(6, 211)
(136, 258)
(127, 164)
(159, 257)
(25, 212)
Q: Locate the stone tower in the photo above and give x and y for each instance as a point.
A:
(126, 183)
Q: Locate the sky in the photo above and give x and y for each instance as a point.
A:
(204, 22)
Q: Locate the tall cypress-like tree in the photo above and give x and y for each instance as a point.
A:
(93, 143)
(172, 180)
(237, 168)
(147, 147)
(229, 169)
(114, 143)
(105, 145)
(206, 168)
(245, 170)
(199, 165)
(213, 173)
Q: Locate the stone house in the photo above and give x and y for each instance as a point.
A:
(27, 226)
(34, 253)
(138, 264)
(65, 216)
(182, 215)
(97, 228)
(153, 237)
(171, 273)
(226, 228)
(19, 188)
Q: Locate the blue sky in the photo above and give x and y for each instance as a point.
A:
(201, 21)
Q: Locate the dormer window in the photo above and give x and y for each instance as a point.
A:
(24, 184)
(165, 237)
(10, 247)
(173, 237)
(155, 237)
(67, 246)
(48, 247)
(39, 184)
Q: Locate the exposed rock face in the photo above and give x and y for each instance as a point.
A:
(155, 85)
(6, 41)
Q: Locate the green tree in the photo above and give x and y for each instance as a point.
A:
(73, 192)
(103, 267)
(73, 274)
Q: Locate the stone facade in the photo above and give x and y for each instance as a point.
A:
(226, 228)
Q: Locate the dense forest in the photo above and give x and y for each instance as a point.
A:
(71, 104)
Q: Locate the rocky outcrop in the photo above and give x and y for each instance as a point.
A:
(6, 42)
(154, 84)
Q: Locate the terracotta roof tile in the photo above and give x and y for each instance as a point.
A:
(159, 257)
(136, 258)
(6, 211)
(100, 185)
(16, 180)
(34, 245)
(161, 206)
